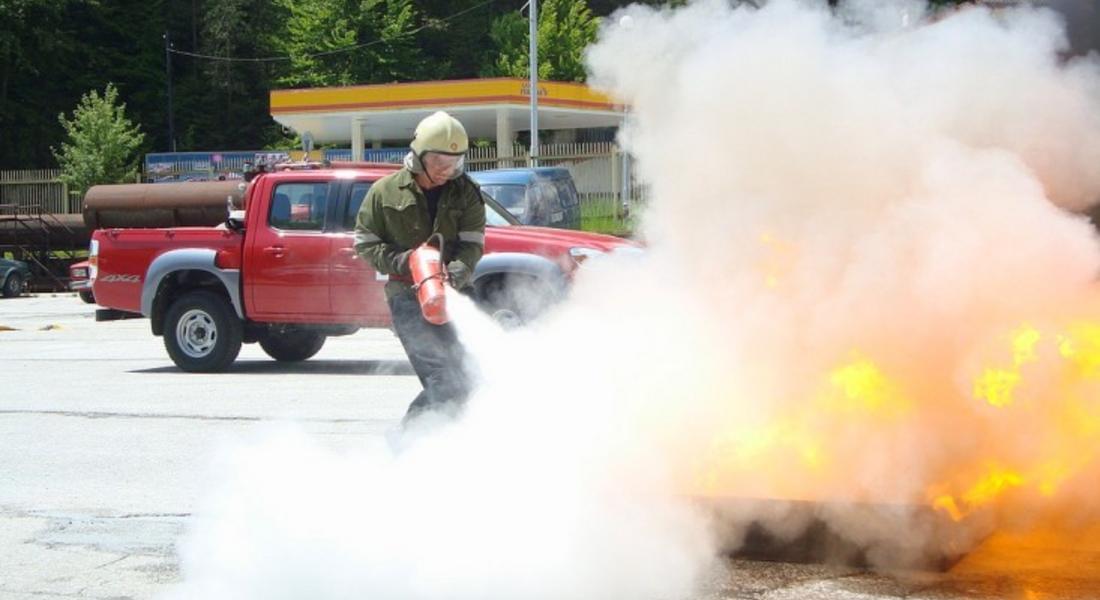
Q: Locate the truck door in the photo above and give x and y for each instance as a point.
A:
(288, 258)
(357, 289)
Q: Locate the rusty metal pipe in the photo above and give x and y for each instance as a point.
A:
(190, 204)
(65, 232)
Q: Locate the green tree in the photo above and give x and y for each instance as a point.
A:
(382, 28)
(566, 28)
(455, 48)
(222, 103)
(102, 143)
(31, 51)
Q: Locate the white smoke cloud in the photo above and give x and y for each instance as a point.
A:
(850, 218)
(882, 188)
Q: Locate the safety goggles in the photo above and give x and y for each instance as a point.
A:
(451, 165)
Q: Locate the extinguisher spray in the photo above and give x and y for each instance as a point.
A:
(429, 277)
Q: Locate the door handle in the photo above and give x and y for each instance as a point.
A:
(276, 251)
(347, 253)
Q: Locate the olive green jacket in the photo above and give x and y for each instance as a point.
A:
(394, 218)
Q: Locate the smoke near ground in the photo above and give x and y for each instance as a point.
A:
(862, 284)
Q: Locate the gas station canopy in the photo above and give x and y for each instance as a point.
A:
(488, 108)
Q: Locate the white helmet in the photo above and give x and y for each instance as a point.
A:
(442, 133)
(440, 143)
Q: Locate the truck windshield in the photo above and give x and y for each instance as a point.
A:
(495, 215)
(511, 196)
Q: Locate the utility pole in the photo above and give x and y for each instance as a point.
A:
(533, 12)
(168, 77)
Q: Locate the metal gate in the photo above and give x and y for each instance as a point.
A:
(37, 187)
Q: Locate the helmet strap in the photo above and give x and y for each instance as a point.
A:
(424, 169)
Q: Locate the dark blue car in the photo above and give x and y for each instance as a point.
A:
(542, 196)
(14, 275)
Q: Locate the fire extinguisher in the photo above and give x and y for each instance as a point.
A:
(429, 277)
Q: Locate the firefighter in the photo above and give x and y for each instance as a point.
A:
(430, 194)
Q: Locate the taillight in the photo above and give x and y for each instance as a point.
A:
(93, 260)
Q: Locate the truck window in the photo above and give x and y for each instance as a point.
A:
(566, 192)
(358, 193)
(546, 207)
(299, 206)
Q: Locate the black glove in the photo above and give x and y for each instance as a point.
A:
(400, 263)
(458, 273)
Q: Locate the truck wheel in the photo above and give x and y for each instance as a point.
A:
(514, 300)
(202, 333)
(13, 285)
(87, 296)
(292, 345)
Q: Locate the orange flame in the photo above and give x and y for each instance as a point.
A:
(1047, 390)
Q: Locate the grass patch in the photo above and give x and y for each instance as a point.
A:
(603, 214)
(608, 226)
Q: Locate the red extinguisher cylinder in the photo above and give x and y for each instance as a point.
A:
(426, 266)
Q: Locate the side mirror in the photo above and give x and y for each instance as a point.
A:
(235, 220)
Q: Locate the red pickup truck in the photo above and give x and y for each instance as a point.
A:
(283, 272)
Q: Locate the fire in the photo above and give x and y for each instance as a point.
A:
(1081, 346)
(990, 486)
(1071, 444)
(799, 441)
(861, 386)
(1044, 389)
(998, 386)
(1069, 448)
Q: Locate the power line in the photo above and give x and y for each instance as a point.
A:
(338, 50)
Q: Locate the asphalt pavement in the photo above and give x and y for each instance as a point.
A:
(105, 446)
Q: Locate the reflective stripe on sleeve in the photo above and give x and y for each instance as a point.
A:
(364, 237)
(475, 237)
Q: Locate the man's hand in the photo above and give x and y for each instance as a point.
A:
(401, 263)
(458, 274)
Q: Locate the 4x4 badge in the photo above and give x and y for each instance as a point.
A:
(122, 279)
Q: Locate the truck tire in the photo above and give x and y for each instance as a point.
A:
(87, 296)
(514, 300)
(202, 333)
(292, 345)
(13, 285)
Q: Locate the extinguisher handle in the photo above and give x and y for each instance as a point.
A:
(438, 239)
(444, 275)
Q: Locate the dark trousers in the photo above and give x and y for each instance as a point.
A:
(436, 356)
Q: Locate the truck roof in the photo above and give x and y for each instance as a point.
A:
(332, 168)
(520, 176)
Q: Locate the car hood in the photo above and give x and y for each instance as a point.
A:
(7, 262)
(565, 238)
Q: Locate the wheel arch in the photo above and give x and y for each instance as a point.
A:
(179, 271)
(498, 265)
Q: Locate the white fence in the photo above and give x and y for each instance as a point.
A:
(604, 178)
